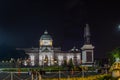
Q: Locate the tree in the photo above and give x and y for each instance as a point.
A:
(70, 64)
(64, 63)
(114, 55)
(7, 52)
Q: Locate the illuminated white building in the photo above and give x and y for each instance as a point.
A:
(48, 55)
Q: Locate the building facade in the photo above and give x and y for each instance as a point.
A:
(47, 55)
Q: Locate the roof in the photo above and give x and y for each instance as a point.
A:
(46, 36)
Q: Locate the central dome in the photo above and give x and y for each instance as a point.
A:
(46, 36)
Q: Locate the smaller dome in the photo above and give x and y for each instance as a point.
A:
(45, 36)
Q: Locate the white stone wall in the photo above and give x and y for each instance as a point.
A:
(60, 59)
(42, 57)
(78, 58)
(83, 56)
(32, 59)
(59, 56)
(87, 48)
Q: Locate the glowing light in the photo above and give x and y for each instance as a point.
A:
(46, 42)
(25, 63)
(118, 26)
(119, 79)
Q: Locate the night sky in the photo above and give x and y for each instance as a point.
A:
(22, 22)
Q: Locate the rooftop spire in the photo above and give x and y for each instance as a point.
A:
(87, 34)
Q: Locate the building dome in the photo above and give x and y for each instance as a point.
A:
(46, 36)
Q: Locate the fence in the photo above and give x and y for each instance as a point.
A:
(26, 76)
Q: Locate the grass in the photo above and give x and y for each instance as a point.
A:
(48, 68)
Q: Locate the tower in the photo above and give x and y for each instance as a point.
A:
(88, 48)
(46, 49)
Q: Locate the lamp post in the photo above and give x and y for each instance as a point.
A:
(42, 62)
(59, 71)
(83, 71)
(59, 66)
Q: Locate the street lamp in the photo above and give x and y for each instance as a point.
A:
(59, 70)
(83, 71)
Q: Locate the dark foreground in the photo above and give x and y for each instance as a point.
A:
(26, 76)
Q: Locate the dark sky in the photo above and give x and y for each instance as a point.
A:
(22, 22)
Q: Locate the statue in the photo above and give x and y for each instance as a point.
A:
(87, 34)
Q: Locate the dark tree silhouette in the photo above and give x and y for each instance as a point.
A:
(8, 52)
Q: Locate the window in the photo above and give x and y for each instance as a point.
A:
(89, 56)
